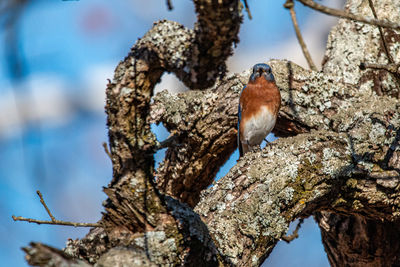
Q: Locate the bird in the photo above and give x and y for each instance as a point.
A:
(259, 104)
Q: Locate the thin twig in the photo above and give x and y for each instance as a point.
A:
(386, 47)
(172, 140)
(346, 15)
(53, 221)
(246, 5)
(392, 68)
(290, 5)
(371, 5)
(106, 150)
(45, 206)
(56, 222)
(295, 234)
(169, 5)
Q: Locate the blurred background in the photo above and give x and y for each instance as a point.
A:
(55, 57)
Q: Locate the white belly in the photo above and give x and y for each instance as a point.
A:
(258, 127)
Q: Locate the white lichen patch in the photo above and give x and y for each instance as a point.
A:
(286, 195)
(377, 133)
(332, 165)
(367, 86)
(229, 197)
(221, 206)
(134, 182)
(366, 166)
(292, 169)
(156, 244)
(125, 91)
(254, 259)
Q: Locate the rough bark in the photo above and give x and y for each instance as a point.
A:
(357, 240)
(346, 165)
(339, 155)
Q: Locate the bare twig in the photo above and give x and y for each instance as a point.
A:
(392, 68)
(290, 5)
(172, 140)
(386, 47)
(56, 222)
(346, 15)
(106, 150)
(45, 206)
(381, 33)
(169, 5)
(246, 5)
(295, 234)
(53, 221)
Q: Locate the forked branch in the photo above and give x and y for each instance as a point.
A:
(53, 221)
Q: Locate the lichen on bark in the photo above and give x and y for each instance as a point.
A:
(338, 158)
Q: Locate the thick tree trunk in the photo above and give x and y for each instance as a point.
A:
(338, 156)
(357, 241)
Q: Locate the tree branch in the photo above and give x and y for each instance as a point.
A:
(42, 255)
(351, 43)
(346, 15)
(206, 129)
(53, 220)
(253, 205)
(105, 146)
(295, 234)
(386, 47)
(169, 5)
(56, 222)
(392, 68)
(290, 5)
(246, 5)
(197, 57)
(343, 155)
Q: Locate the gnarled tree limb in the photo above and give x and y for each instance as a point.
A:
(341, 157)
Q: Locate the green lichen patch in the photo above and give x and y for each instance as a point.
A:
(306, 180)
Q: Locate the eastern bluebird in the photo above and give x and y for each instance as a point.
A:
(259, 105)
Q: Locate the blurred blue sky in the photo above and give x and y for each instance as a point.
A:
(52, 120)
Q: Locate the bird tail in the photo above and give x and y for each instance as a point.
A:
(239, 145)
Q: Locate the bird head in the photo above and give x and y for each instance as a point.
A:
(262, 70)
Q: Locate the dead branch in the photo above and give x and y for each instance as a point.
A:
(346, 15)
(290, 5)
(392, 68)
(295, 234)
(53, 221)
(105, 146)
(386, 47)
(169, 5)
(246, 5)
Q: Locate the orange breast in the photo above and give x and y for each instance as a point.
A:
(257, 94)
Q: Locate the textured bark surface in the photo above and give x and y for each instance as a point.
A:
(353, 239)
(338, 157)
(346, 165)
(359, 241)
